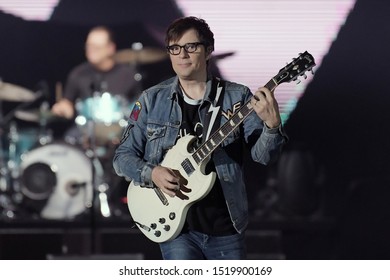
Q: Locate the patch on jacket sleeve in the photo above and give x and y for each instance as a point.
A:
(136, 111)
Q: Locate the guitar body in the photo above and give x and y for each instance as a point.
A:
(162, 222)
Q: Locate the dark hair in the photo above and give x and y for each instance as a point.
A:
(181, 25)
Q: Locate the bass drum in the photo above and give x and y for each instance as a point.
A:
(56, 181)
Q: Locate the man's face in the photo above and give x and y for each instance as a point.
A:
(190, 66)
(98, 47)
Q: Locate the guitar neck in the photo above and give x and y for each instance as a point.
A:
(205, 150)
(305, 62)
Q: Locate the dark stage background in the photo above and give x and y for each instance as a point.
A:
(326, 198)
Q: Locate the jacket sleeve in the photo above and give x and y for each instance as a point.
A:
(266, 144)
(129, 156)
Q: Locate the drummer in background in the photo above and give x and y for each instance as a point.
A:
(100, 73)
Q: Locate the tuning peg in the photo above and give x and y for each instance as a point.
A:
(304, 75)
(297, 80)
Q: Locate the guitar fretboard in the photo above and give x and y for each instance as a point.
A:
(225, 130)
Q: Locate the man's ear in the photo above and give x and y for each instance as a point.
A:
(209, 50)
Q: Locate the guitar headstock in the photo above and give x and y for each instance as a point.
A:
(297, 67)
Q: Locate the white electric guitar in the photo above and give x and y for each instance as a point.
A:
(161, 217)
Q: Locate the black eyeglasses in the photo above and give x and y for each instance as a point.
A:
(189, 48)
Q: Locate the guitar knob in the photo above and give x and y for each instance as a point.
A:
(167, 227)
(161, 220)
(153, 226)
(172, 216)
(157, 233)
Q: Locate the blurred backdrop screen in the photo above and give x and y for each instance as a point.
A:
(256, 38)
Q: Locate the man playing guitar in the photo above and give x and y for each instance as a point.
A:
(196, 207)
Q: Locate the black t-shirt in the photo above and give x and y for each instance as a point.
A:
(85, 80)
(210, 214)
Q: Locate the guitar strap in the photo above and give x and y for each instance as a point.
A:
(213, 111)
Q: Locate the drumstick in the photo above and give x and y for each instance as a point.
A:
(58, 91)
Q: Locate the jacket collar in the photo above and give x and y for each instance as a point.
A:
(175, 89)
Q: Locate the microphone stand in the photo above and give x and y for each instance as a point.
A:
(97, 169)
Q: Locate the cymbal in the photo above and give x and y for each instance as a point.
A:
(10, 92)
(143, 56)
(36, 116)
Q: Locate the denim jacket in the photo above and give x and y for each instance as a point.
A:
(153, 129)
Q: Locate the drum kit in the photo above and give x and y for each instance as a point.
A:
(39, 178)
(49, 179)
(42, 178)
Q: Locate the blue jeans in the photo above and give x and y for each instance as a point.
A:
(199, 246)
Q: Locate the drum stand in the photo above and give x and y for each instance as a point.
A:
(9, 170)
(10, 189)
(5, 202)
(99, 187)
